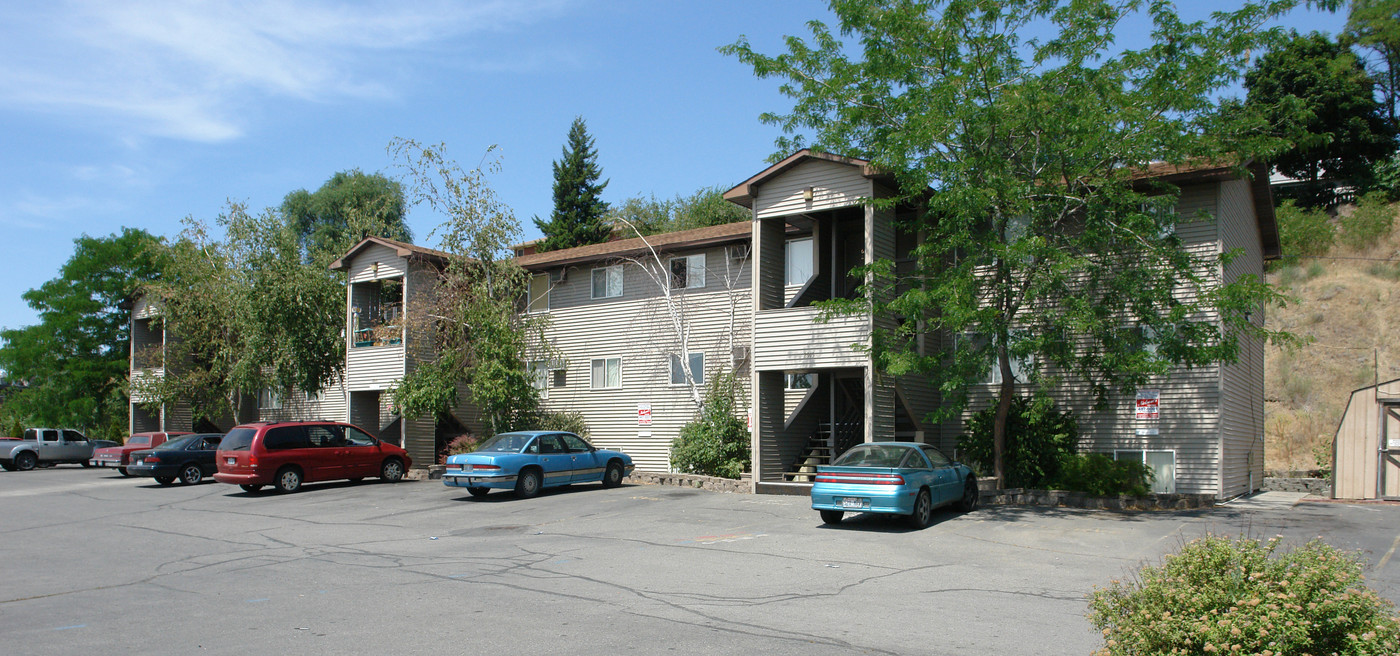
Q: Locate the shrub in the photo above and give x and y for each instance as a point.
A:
(1385, 178)
(572, 422)
(1038, 438)
(1239, 596)
(465, 443)
(717, 442)
(1369, 223)
(1102, 476)
(1303, 232)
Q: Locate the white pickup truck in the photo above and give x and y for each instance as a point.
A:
(45, 446)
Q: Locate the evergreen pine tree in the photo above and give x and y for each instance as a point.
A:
(577, 219)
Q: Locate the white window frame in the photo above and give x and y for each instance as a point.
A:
(269, 399)
(1142, 453)
(316, 397)
(694, 271)
(612, 273)
(538, 300)
(593, 382)
(677, 369)
(790, 379)
(788, 247)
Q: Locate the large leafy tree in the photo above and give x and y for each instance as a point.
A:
(480, 339)
(1316, 94)
(1042, 242)
(650, 215)
(322, 219)
(1374, 25)
(577, 219)
(75, 359)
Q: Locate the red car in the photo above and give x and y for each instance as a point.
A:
(286, 454)
(120, 456)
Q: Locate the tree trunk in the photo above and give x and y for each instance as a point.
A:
(1004, 396)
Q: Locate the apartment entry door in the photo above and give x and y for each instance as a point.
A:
(1389, 485)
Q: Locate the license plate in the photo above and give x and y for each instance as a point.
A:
(230, 461)
(140, 461)
(848, 502)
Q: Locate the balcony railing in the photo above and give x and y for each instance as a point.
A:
(380, 325)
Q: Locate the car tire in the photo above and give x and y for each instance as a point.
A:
(26, 461)
(85, 464)
(527, 484)
(613, 476)
(288, 480)
(391, 471)
(191, 474)
(123, 471)
(971, 495)
(832, 516)
(165, 480)
(923, 510)
(7, 466)
(479, 492)
(250, 488)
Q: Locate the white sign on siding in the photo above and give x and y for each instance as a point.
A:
(643, 414)
(1148, 404)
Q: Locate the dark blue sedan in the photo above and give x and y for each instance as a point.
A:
(899, 478)
(188, 459)
(529, 461)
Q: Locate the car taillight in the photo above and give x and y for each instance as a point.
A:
(453, 465)
(485, 468)
(150, 459)
(252, 461)
(852, 478)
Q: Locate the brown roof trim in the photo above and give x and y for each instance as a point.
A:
(743, 193)
(401, 249)
(669, 241)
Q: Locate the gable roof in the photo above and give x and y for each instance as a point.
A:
(668, 241)
(401, 249)
(743, 193)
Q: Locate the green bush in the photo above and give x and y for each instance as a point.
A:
(1303, 232)
(1369, 223)
(717, 442)
(1102, 476)
(1038, 438)
(465, 443)
(1385, 178)
(572, 422)
(1242, 597)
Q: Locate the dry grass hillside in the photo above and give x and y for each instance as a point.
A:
(1347, 305)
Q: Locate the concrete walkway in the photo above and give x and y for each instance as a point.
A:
(1265, 501)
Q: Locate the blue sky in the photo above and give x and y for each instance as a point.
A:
(141, 113)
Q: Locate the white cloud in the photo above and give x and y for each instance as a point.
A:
(195, 70)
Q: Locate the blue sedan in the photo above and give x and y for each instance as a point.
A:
(529, 461)
(898, 478)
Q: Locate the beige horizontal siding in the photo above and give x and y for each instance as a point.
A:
(390, 265)
(791, 338)
(833, 185)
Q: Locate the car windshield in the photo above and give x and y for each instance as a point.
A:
(872, 455)
(238, 439)
(138, 440)
(506, 443)
(177, 443)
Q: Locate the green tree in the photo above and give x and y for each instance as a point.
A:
(75, 359)
(717, 443)
(1044, 244)
(577, 219)
(1375, 26)
(322, 219)
(1316, 94)
(481, 339)
(650, 215)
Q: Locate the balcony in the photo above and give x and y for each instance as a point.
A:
(790, 339)
(380, 325)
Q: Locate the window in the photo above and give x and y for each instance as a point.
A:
(286, 437)
(539, 293)
(357, 437)
(550, 444)
(1162, 464)
(607, 281)
(914, 460)
(574, 443)
(688, 272)
(697, 369)
(316, 397)
(73, 436)
(607, 373)
(1020, 366)
(935, 456)
(798, 254)
(269, 400)
(795, 381)
(539, 376)
(325, 436)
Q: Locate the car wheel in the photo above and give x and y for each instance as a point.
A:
(527, 484)
(26, 461)
(613, 476)
(123, 471)
(288, 480)
(250, 489)
(165, 480)
(923, 510)
(968, 503)
(392, 471)
(7, 466)
(191, 475)
(85, 464)
(479, 491)
(832, 516)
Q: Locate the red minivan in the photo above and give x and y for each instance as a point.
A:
(285, 454)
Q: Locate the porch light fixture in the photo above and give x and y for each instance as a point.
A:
(807, 194)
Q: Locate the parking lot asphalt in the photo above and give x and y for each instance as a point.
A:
(94, 562)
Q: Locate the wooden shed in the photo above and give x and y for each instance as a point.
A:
(1366, 450)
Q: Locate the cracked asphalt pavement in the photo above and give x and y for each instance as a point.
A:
(94, 562)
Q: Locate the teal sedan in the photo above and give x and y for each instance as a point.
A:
(528, 461)
(898, 478)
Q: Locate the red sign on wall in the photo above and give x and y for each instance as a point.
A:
(643, 414)
(1149, 404)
